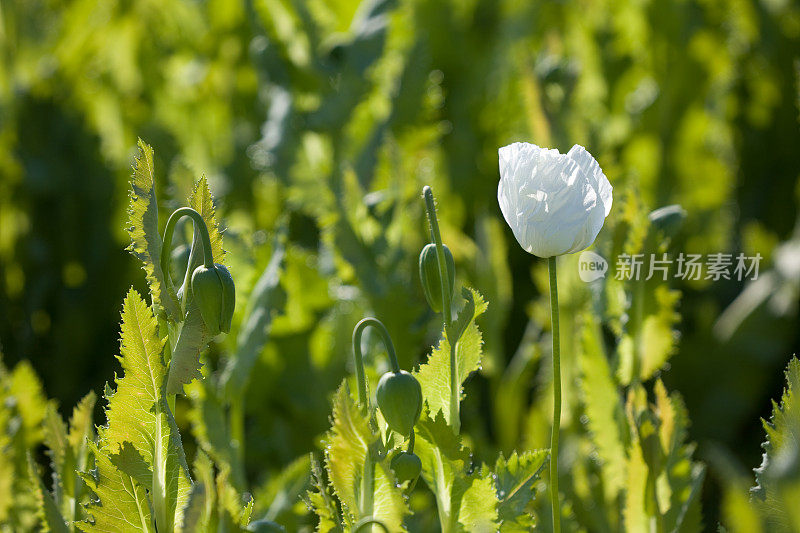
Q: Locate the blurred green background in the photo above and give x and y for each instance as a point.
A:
(323, 119)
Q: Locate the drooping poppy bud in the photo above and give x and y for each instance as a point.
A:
(214, 291)
(429, 274)
(399, 396)
(406, 466)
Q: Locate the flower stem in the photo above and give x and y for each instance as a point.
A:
(444, 275)
(359, 358)
(200, 226)
(447, 311)
(551, 263)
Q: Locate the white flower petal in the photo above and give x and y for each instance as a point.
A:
(554, 203)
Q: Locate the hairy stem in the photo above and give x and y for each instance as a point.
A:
(359, 358)
(551, 263)
(447, 312)
(201, 230)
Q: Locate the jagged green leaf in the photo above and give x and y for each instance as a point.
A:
(31, 403)
(514, 481)
(211, 428)
(141, 437)
(350, 444)
(120, 502)
(185, 364)
(478, 507)
(79, 437)
(606, 417)
(681, 482)
(214, 504)
(434, 375)
(445, 469)
(778, 477)
(50, 519)
(202, 201)
(321, 502)
(142, 227)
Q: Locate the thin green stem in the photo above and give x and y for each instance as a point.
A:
(237, 434)
(551, 263)
(359, 358)
(447, 312)
(200, 228)
(444, 275)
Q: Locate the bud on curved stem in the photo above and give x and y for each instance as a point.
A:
(211, 284)
(359, 358)
(202, 229)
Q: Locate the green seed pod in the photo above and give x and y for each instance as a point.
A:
(429, 275)
(399, 398)
(215, 294)
(406, 466)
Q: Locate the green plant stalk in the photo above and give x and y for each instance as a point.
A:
(200, 229)
(551, 263)
(447, 311)
(366, 498)
(201, 232)
(361, 379)
(236, 418)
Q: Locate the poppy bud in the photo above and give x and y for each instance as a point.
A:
(429, 274)
(215, 294)
(406, 466)
(399, 396)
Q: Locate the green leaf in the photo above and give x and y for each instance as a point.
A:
(214, 504)
(351, 458)
(464, 317)
(211, 428)
(119, 500)
(185, 364)
(445, 464)
(193, 511)
(202, 201)
(141, 436)
(266, 299)
(514, 481)
(142, 227)
(681, 482)
(50, 518)
(55, 438)
(321, 502)
(601, 399)
(478, 507)
(280, 493)
(31, 402)
(434, 375)
(635, 512)
(348, 445)
(778, 477)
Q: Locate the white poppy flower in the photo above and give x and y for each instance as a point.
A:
(555, 203)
